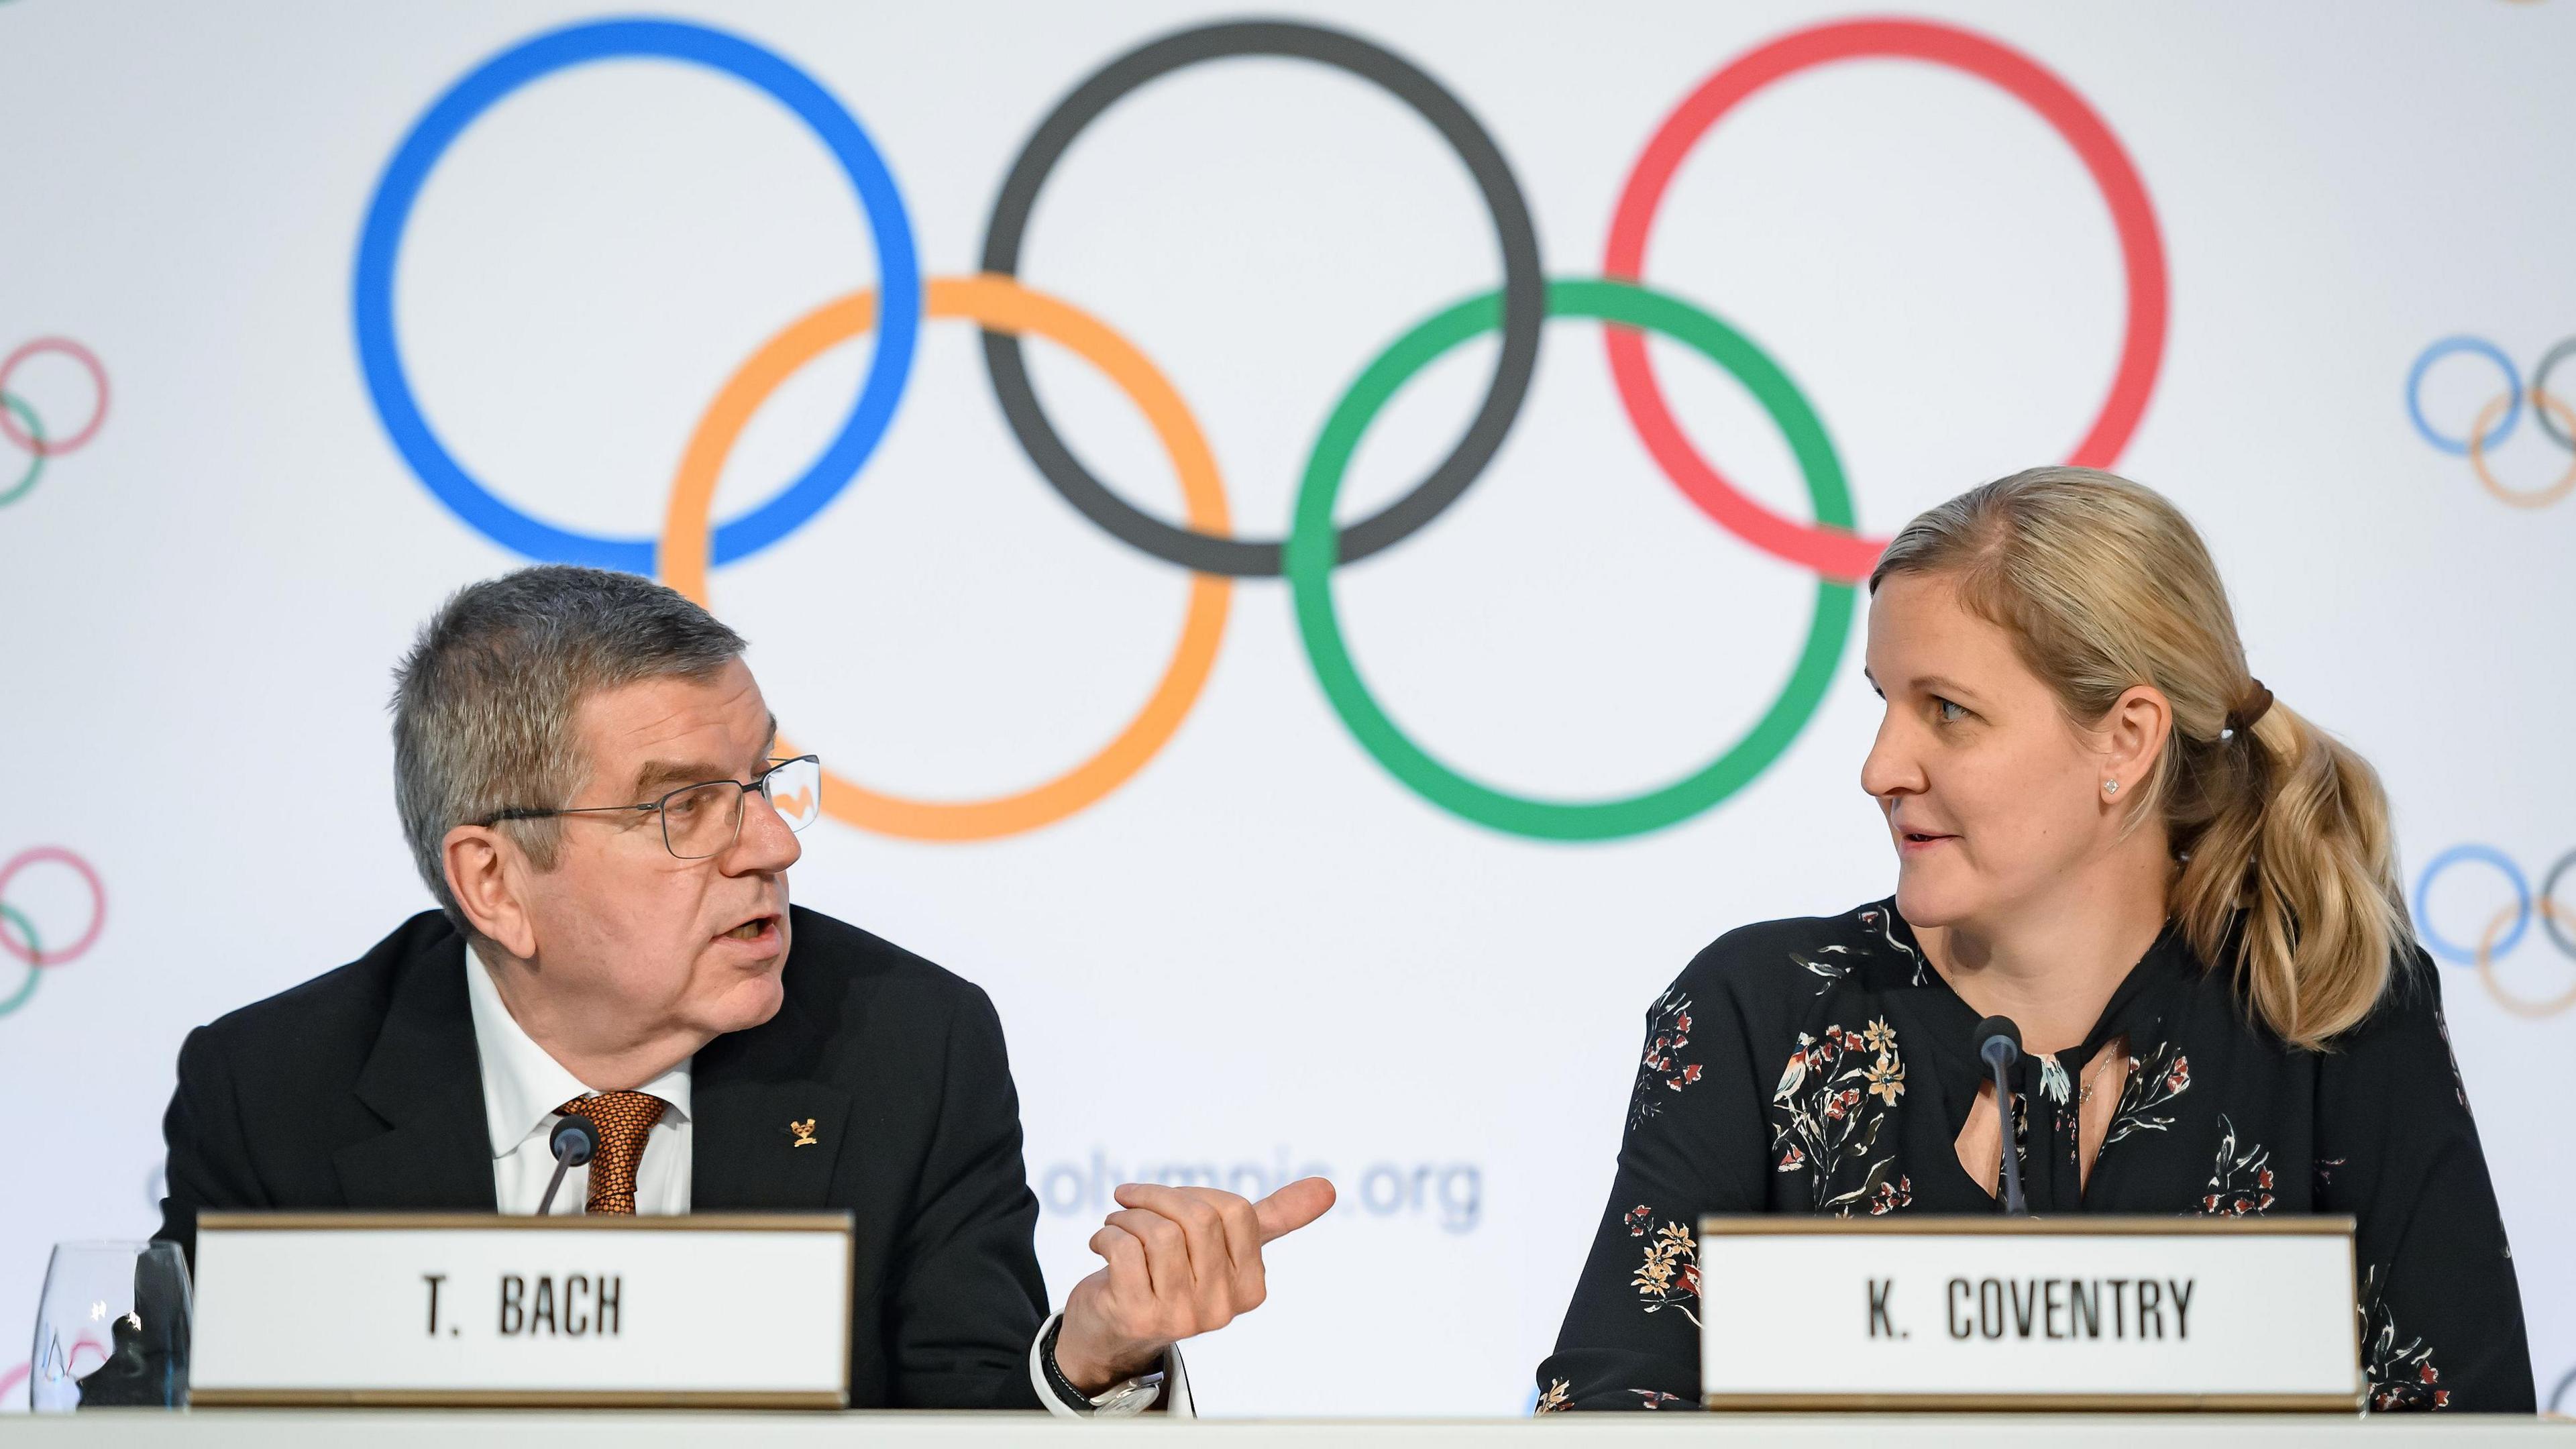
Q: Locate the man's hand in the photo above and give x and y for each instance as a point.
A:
(1182, 1261)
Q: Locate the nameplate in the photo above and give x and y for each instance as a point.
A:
(708, 1310)
(2028, 1313)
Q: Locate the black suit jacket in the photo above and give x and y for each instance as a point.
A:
(361, 1089)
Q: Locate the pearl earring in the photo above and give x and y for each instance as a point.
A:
(2110, 787)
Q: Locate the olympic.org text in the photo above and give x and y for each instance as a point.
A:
(1448, 1194)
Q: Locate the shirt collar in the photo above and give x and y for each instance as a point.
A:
(522, 1084)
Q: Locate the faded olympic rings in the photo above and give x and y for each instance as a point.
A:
(1835, 552)
(2506, 928)
(2459, 447)
(1524, 289)
(999, 304)
(12, 405)
(691, 545)
(2545, 408)
(11, 916)
(26, 945)
(2518, 1005)
(389, 213)
(26, 437)
(1311, 560)
(2556, 427)
(20, 424)
(2496, 419)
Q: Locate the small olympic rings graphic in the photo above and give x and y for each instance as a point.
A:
(692, 544)
(2497, 418)
(18, 935)
(2505, 929)
(21, 426)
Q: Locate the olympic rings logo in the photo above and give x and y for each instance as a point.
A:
(20, 425)
(18, 934)
(2496, 419)
(2505, 929)
(692, 542)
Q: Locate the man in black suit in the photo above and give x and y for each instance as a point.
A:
(583, 768)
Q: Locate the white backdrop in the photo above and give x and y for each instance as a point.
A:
(1263, 954)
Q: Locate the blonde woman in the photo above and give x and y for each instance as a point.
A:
(2181, 891)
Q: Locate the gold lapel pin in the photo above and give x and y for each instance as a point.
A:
(804, 1132)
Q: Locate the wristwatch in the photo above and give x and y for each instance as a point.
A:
(1128, 1396)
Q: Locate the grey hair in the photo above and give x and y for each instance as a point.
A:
(485, 701)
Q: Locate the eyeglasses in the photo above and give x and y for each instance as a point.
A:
(705, 819)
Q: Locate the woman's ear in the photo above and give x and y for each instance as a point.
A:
(2133, 739)
(485, 872)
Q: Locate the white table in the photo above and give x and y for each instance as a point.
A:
(675, 1429)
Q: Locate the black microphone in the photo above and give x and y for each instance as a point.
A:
(1999, 1046)
(576, 1142)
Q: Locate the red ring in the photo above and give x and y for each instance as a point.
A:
(97, 895)
(54, 447)
(1832, 552)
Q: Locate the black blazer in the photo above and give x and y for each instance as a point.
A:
(361, 1089)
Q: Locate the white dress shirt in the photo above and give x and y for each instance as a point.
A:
(522, 1087)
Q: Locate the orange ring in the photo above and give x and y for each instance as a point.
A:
(2540, 498)
(2486, 970)
(1002, 305)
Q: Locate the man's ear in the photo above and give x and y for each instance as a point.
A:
(488, 873)
(2134, 735)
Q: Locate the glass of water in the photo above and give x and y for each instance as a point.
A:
(112, 1329)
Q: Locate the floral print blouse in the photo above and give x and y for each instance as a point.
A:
(1822, 1066)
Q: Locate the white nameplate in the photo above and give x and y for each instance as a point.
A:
(2028, 1313)
(716, 1309)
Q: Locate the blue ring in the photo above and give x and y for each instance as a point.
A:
(2442, 349)
(898, 271)
(2493, 857)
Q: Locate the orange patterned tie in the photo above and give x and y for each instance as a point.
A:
(622, 1119)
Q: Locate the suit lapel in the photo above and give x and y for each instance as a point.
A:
(766, 1133)
(424, 1081)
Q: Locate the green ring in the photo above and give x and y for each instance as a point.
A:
(35, 948)
(1312, 554)
(35, 460)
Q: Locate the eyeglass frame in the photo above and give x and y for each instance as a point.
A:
(759, 782)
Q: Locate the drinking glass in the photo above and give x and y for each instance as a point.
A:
(112, 1329)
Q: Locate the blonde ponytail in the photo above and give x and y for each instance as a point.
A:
(2286, 871)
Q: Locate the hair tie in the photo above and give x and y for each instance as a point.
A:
(2257, 703)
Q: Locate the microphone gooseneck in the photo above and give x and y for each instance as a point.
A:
(576, 1142)
(1999, 1046)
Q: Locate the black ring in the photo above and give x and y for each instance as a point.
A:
(2549, 921)
(1524, 290)
(2540, 410)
